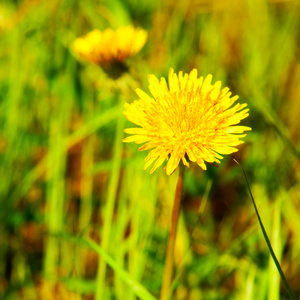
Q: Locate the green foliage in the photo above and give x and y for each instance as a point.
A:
(80, 218)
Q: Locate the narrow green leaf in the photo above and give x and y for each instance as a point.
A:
(267, 240)
(139, 290)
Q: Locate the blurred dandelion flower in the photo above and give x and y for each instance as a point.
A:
(191, 120)
(110, 47)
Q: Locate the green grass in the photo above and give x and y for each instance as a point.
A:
(79, 215)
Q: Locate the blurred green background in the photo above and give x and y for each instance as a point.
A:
(68, 183)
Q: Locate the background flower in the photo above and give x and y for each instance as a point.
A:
(110, 47)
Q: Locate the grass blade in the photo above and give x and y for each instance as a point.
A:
(139, 290)
(108, 209)
(267, 240)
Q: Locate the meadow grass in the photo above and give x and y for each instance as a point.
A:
(80, 218)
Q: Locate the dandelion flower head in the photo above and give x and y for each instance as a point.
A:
(110, 47)
(190, 119)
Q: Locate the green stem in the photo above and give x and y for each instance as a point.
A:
(110, 204)
(55, 199)
(168, 272)
(268, 241)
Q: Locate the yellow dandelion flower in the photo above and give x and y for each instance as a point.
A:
(110, 47)
(190, 120)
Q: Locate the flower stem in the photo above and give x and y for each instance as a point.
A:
(168, 272)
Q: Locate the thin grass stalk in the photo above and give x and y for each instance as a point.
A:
(250, 284)
(122, 253)
(55, 203)
(86, 195)
(274, 279)
(168, 271)
(110, 204)
(56, 167)
(138, 289)
(285, 283)
(86, 187)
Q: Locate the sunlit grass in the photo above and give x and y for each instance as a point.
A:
(73, 196)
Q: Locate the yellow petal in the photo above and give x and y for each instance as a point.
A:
(157, 164)
(172, 164)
